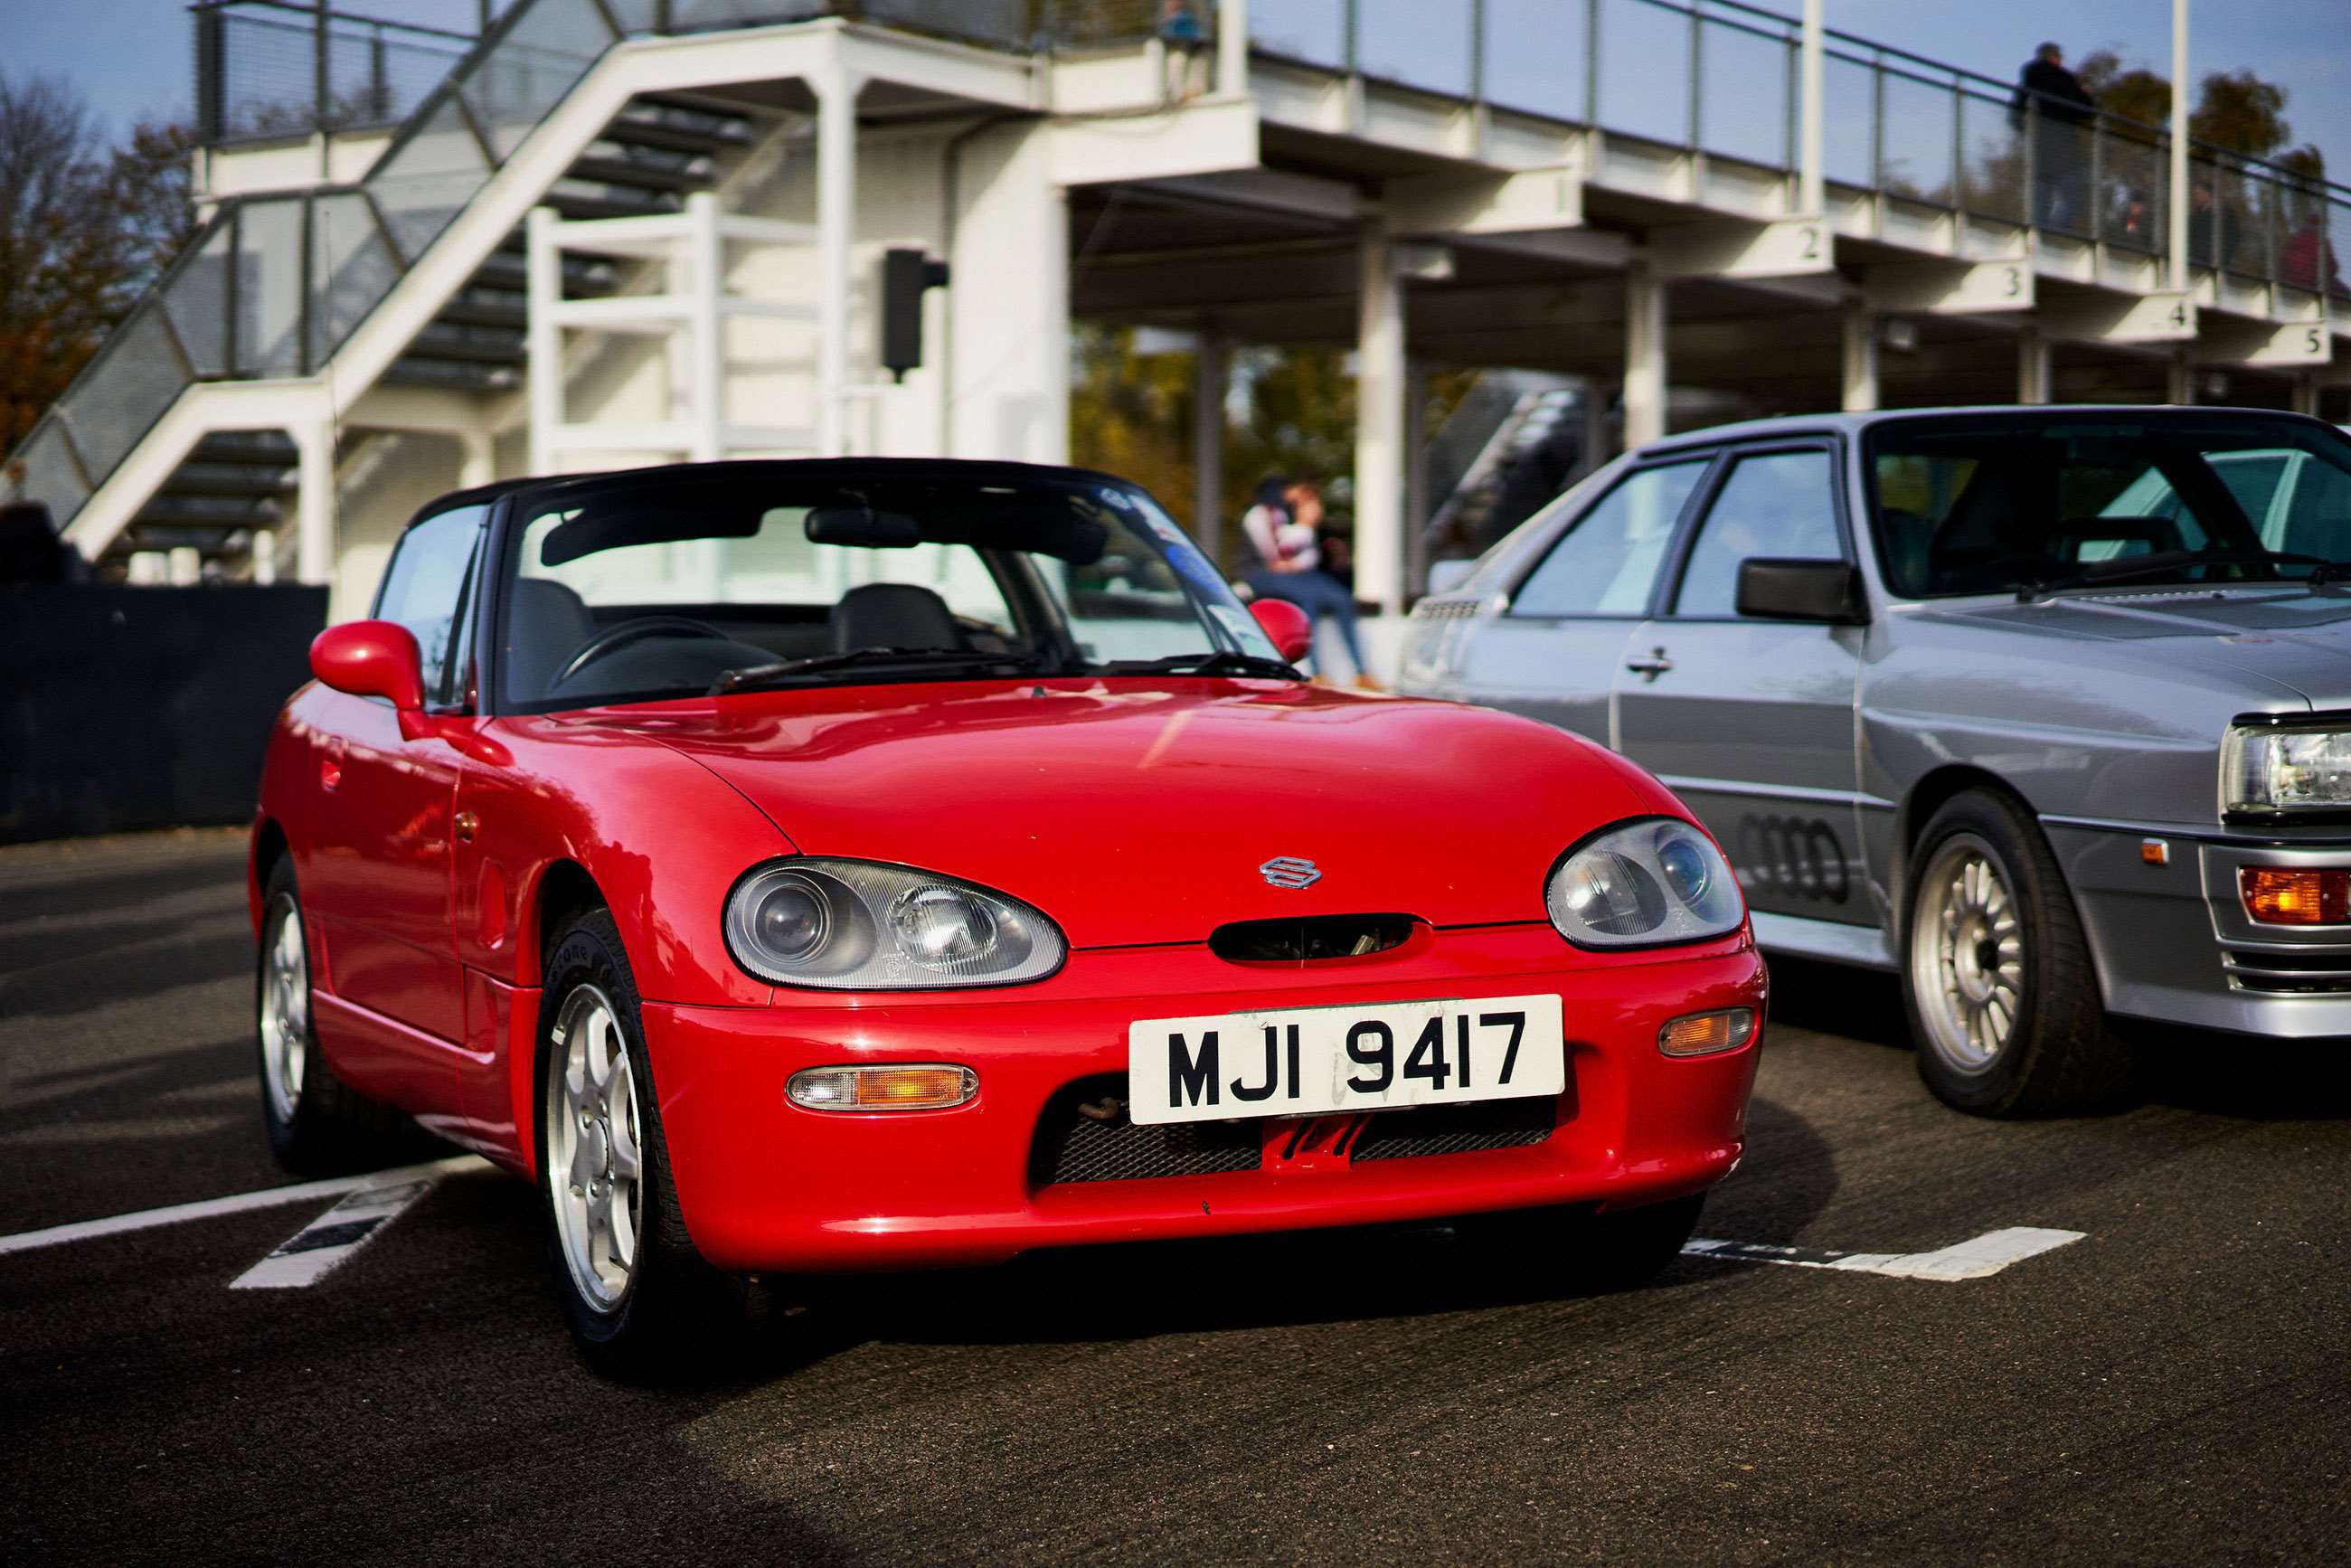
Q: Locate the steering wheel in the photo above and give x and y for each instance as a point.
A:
(629, 632)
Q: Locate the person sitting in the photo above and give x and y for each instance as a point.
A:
(1280, 525)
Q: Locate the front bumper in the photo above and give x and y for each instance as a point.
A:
(2173, 942)
(767, 1186)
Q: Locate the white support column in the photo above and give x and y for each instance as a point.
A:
(1009, 304)
(2179, 199)
(264, 558)
(705, 353)
(543, 284)
(1209, 447)
(1594, 401)
(2180, 379)
(1379, 423)
(1860, 357)
(1644, 353)
(477, 458)
(1418, 506)
(2305, 394)
(836, 222)
(2032, 365)
(1232, 48)
(1811, 197)
(314, 559)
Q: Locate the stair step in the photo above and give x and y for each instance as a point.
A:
(222, 518)
(506, 271)
(239, 447)
(586, 208)
(642, 173)
(229, 486)
(447, 375)
(469, 351)
(690, 104)
(475, 313)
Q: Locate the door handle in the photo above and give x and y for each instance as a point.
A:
(1653, 664)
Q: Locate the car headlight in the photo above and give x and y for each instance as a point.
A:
(2276, 768)
(1643, 884)
(857, 925)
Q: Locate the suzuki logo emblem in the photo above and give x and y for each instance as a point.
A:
(1289, 871)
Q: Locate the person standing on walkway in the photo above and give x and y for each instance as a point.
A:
(1280, 524)
(1180, 30)
(2052, 102)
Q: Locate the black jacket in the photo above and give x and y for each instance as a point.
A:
(2059, 90)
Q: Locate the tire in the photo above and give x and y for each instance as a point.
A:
(316, 1124)
(1573, 1251)
(636, 1294)
(1996, 979)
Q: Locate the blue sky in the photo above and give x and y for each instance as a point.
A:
(131, 56)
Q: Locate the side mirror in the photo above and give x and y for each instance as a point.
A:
(1445, 576)
(372, 659)
(1821, 590)
(1291, 628)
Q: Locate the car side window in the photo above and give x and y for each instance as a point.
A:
(1778, 504)
(1607, 560)
(424, 583)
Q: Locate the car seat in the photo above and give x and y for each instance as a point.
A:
(892, 615)
(546, 623)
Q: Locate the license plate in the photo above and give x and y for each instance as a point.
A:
(1310, 1061)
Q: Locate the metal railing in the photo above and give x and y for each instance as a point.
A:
(272, 284)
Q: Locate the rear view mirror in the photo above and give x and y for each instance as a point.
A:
(1445, 576)
(863, 527)
(1828, 591)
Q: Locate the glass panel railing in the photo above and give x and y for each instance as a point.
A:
(1991, 159)
(352, 267)
(2130, 194)
(109, 413)
(269, 287)
(999, 24)
(1916, 134)
(1747, 86)
(2060, 160)
(1314, 31)
(196, 297)
(1848, 121)
(51, 475)
(1535, 57)
(1645, 69)
(531, 63)
(426, 179)
(1418, 44)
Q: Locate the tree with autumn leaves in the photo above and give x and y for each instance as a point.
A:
(84, 228)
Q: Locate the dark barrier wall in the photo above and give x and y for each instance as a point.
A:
(142, 708)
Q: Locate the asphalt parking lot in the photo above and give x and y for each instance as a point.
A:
(2169, 1387)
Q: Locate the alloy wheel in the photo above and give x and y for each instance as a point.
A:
(593, 1159)
(1967, 955)
(284, 1007)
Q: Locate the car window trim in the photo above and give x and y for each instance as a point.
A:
(1709, 459)
(1685, 544)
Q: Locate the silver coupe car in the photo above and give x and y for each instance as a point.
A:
(2047, 710)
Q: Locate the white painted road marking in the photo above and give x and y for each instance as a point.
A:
(327, 1242)
(268, 1197)
(1978, 1259)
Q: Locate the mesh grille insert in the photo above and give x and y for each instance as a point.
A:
(1073, 1146)
(1456, 1129)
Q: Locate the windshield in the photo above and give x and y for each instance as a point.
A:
(645, 590)
(1992, 504)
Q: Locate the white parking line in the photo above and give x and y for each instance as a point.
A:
(327, 1242)
(1980, 1259)
(268, 1197)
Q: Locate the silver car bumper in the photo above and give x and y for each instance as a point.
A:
(2173, 942)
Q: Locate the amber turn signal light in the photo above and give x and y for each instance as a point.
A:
(2291, 895)
(1702, 1034)
(927, 1088)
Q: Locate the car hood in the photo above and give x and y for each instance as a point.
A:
(1138, 814)
(2295, 638)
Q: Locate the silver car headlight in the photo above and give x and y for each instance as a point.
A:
(2278, 767)
(859, 925)
(1643, 884)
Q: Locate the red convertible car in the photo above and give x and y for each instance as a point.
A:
(846, 865)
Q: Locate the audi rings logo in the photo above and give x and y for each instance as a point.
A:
(1796, 856)
(1289, 871)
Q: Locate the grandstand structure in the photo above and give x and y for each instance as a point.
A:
(613, 232)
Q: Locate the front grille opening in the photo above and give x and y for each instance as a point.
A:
(1310, 938)
(1085, 1134)
(2289, 974)
(1456, 1129)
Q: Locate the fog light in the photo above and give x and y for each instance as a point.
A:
(927, 1088)
(1701, 1034)
(2284, 895)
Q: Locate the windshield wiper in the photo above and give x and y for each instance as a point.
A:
(1223, 662)
(2126, 568)
(751, 676)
